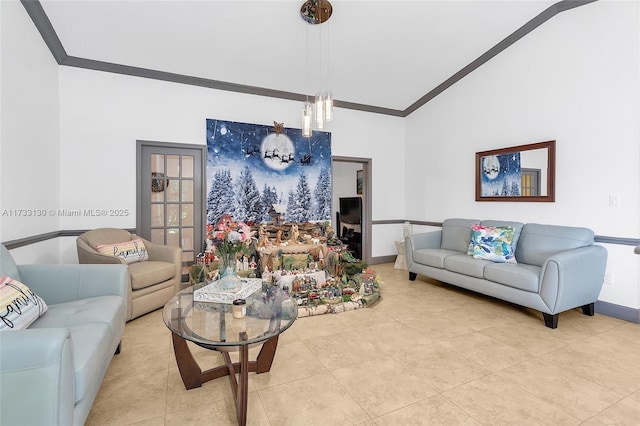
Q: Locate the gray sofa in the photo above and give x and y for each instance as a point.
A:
(51, 371)
(558, 267)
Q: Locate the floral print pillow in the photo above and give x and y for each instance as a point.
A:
(494, 243)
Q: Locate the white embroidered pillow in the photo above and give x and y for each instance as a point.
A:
(19, 306)
(131, 251)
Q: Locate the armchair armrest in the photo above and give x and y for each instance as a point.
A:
(169, 254)
(64, 283)
(573, 278)
(163, 253)
(421, 241)
(36, 377)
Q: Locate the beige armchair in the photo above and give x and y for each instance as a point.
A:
(151, 282)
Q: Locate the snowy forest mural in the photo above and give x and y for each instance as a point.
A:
(501, 175)
(253, 169)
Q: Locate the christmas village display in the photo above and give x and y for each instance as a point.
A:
(276, 184)
(314, 268)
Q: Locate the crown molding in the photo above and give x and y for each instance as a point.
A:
(43, 24)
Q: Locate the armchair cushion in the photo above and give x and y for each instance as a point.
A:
(131, 250)
(19, 306)
(151, 272)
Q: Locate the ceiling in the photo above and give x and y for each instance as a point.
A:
(376, 55)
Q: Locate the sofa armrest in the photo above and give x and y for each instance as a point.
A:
(431, 240)
(64, 283)
(573, 278)
(36, 377)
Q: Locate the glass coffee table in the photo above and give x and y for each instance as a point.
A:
(213, 326)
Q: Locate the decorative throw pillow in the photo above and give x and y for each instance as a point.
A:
(492, 243)
(130, 251)
(19, 306)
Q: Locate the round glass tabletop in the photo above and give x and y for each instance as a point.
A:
(213, 326)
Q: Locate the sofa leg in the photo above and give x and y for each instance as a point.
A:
(412, 276)
(589, 309)
(550, 321)
(118, 348)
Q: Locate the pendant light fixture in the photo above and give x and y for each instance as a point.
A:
(306, 120)
(315, 12)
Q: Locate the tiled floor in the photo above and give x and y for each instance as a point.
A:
(426, 353)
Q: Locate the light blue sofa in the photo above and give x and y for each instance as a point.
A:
(559, 267)
(50, 373)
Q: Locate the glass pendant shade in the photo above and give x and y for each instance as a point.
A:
(328, 106)
(320, 111)
(306, 120)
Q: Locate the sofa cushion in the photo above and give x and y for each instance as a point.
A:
(19, 306)
(492, 243)
(538, 242)
(455, 234)
(145, 274)
(432, 257)
(130, 251)
(466, 265)
(520, 276)
(103, 309)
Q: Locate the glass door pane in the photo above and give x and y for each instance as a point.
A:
(171, 210)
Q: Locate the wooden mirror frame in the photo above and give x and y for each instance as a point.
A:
(550, 146)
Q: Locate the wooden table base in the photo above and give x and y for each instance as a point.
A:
(193, 376)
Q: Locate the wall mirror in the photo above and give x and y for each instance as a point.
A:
(517, 173)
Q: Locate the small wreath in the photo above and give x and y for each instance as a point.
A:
(158, 182)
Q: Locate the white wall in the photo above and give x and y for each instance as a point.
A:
(29, 161)
(102, 116)
(575, 79)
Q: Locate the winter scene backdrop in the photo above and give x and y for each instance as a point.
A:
(253, 168)
(501, 175)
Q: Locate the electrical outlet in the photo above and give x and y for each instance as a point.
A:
(614, 200)
(608, 278)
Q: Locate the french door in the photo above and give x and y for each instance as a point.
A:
(170, 196)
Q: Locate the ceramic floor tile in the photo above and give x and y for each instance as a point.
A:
(620, 348)
(292, 362)
(343, 349)
(534, 339)
(220, 413)
(440, 368)
(513, 371)
(434, 411)
(179, 398)
(139, 397)
(318, 400)
(383, 385)
(625, 412)
(478, 317)
(156, 421)
(487, 352)
(572, 394)
(623, 379)
(392, 337)
(432, 324)
(318, 326)
(497, 401)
